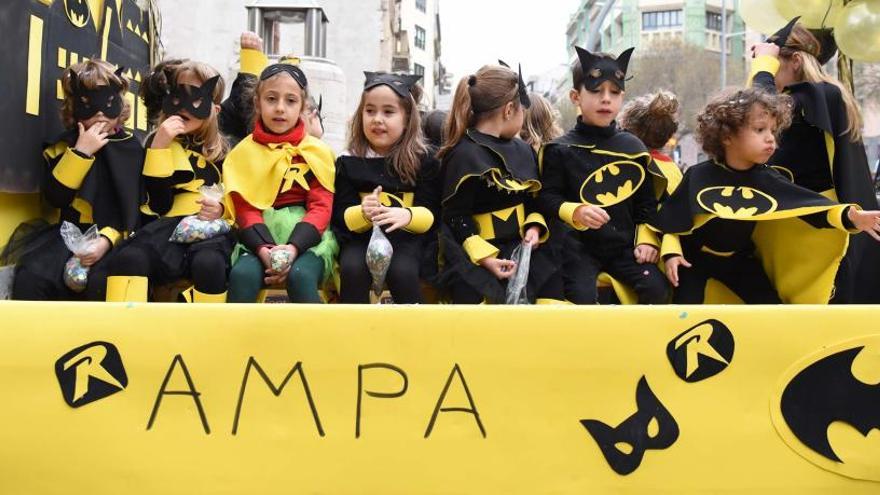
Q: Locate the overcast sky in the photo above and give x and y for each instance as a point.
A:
(530, 32)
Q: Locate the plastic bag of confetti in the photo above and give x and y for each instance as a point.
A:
(379, 252)
(516, 287)
(192, 229)
(279, 259)
(76, 276)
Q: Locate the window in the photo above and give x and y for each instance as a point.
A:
(420, 37)
(419, 70)
(713, 21)
(661, 19)
(420, 4)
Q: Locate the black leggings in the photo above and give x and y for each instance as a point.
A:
(463, 293)
(207, 267)
(741, 273)
(583, 268)
(402, 277)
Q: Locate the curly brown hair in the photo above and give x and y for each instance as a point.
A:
(652, 118)
(728, 112)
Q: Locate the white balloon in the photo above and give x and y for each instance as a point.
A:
(762, 16)
(857, 30)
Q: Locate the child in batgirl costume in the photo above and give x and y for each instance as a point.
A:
(822, 150)
(93, 177)
(390, 178)
(721, 220)
(185, 153)
(489, 208)
(601, 182)
(279, 182)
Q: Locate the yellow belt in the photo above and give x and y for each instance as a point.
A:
(723, 254)
(501, 223)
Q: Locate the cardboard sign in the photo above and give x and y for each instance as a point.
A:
(173, 398)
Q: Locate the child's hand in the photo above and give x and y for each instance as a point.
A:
(502, 269)
(211, 209)
(251, 40)
(533, 236)
(592, 216)
(370, 204)
(168, 130)
(672, 266)
(645, 253)
(99, 249)
(394, 218)
(865, 221)
(91, 140)
(765, 49)
(273, 277)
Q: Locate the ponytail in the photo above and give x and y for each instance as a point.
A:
(489, 89)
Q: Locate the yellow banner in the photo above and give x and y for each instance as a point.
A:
(136, 398)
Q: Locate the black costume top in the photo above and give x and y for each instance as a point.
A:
(173, 176)
(816, 151)
(104, 190)
(606, 167)
(357, 177)
(488, 193)
(722, 212)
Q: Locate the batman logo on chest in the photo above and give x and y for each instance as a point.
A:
(736, 203)
(612, 183)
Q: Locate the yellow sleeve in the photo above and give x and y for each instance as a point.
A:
(835, 217)
(538, 219)
(253, 61)
(158, 163)
(72, 169)
(478, 248)
(764, 63)
(111, 234)
(644, 235)
(355, 219)
(566, 213)
(670, 246)
(421, 221)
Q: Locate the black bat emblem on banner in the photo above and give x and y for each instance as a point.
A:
(736, 202)
(612, 184)
(651, 427)
(825, 392)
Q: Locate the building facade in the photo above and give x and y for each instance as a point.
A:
(639, 22)
(363, 35)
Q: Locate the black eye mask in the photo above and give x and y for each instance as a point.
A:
(598, 69)
(401, 84)
(88, 102)
(196, 100)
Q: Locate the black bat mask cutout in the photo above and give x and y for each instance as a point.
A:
(401, 84)
(196, 100)
(624, 446)
(598, 69)
(88, 102)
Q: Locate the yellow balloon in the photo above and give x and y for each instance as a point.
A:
(761, 15)
(814, 13)
(857, 30)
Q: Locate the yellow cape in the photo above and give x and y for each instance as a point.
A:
(258, 172)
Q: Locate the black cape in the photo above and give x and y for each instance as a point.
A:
(800, 259)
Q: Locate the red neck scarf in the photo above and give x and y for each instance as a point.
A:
(293, 136)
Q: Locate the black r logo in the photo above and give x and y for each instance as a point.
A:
(89, 373)
(701, 351)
